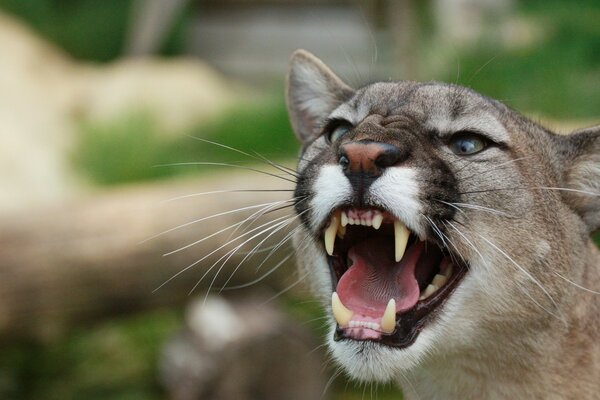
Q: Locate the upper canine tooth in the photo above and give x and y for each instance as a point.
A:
(388, 321)
(377, 220)
(401, 234)
(344, 219)
(330, 233)
(341, 314)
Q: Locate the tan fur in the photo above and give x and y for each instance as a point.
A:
(525, 321)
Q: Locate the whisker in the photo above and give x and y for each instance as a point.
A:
(214, 251)
(273, 225)
(212, 216)
(225, 191)
(575, 284)
(260, 278)
(220, 164)
(258, 157)
(527, 274)
(288, 288)
(250, 254)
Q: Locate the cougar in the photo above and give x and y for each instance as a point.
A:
(448, 237)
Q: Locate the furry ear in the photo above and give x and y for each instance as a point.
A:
(583, 175)
(313, 91)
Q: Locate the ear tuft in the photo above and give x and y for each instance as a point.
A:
(583, 175)
(313, 91)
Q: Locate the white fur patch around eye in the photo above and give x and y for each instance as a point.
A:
(398, 190)
(331, 188)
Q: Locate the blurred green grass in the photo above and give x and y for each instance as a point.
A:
(558, 77)
(115, 359)
(89, 29)
(132, 148)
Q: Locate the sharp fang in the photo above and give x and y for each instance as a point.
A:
(344, 219)
(330, 233)
(377, 220)
(401, 234)
(388, 321)
(341, 314)
(439, 280)
(429, 291)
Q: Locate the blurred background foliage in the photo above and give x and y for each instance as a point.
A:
(550, 69)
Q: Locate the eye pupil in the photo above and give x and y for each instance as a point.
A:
(466, 144)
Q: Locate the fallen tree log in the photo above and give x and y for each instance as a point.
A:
(91, 258)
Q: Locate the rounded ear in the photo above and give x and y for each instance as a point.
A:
(582, 175)
(313, 91)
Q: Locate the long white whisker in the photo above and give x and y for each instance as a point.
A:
(215, 250)
(213, 216)
(238, 224)
(524, 271)
(575, 284)
(186, 196)
(568, 190)
(220, 164)
(230, 253)
(266, 274)
(250, 254)
(286, 289)
(258, 157)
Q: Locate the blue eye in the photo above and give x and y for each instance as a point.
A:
(464, 144)
(338, 132)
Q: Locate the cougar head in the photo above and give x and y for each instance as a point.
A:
(435, 221)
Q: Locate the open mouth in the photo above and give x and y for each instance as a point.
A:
(387, 283)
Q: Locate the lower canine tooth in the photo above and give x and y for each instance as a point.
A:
(330, 233)
(388, 321)
(401, 234)
(341, 314)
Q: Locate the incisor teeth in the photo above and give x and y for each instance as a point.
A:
(388, 321)
(439, 280)
(330, 233)
(344, 219)
(401, 234)
(377, 220)
(341, 314)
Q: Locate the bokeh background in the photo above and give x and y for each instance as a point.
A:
(106, 240)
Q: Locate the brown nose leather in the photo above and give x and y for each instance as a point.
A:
(367, 157)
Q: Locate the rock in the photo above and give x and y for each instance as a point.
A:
(241, 349)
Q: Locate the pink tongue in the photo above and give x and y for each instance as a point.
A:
(374, 278)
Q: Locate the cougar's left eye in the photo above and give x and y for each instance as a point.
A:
(337, 132)
(465, 143)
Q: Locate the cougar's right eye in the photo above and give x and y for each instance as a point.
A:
(338, 130)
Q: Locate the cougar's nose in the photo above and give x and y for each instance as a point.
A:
(366, 157)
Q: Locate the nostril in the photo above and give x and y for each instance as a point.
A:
(343, 161)
(389, 156)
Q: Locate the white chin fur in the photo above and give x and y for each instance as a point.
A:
(372, 362)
